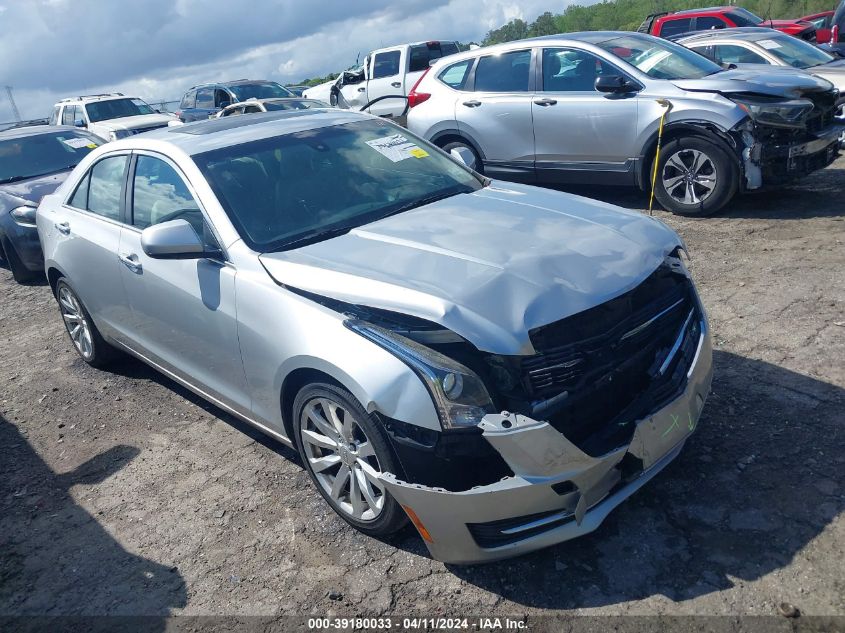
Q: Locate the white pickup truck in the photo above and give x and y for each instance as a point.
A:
(386, 71)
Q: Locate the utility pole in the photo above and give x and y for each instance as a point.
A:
(15, 111)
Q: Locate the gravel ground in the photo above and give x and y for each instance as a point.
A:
(122, 493)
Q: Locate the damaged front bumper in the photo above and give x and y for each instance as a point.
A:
(557, 492)
(772, 162)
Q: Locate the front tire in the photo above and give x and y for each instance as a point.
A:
(344, 450)
(86, 338)
(695, 177)
(20, 273)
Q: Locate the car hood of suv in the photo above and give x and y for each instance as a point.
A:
(32, 189)
(775, 82)
(137, 122)
(489, 265)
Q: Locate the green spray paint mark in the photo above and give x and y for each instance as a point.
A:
(674, 425)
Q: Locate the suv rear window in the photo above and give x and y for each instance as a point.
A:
(455, 75)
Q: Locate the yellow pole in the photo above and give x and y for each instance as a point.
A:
(667, 105)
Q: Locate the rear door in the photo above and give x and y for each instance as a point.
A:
(204, 106)
(495, 113)
(183, 310)
(578, 130)
(88, 229)
(387, 77)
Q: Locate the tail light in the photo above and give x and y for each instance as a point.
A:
(415, 98)
(834, 34)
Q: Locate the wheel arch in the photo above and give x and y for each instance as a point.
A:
(673, 131)
(293, 384)
(444, 137)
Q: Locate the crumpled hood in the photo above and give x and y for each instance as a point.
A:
(489, 265)
(32, 190)
(136, 122)
(774, 82)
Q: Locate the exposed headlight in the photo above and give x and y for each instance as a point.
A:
(25, 216)
(787, 114)
(459, 395)
(119, 134)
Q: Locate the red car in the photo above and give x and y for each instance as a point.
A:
(670, 24)
(823, 22)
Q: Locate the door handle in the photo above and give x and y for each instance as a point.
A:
(472, 104)
(396, 84)
(62, 227)
(545, 102)
(362, 89)
(131, 262)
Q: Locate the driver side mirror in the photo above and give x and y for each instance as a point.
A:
(614, 84)
(175, 239)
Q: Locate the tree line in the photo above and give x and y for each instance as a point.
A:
(627, 15)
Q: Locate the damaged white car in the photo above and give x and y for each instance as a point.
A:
(500, 364)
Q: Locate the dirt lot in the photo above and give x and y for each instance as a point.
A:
(122, 493)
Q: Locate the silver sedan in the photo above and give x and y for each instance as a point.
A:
(499, 364)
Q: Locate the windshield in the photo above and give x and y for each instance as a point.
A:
(660, 59)
(744, 17)
(116, 109)
(794, 52)
(37, 155)
(294, 104)
(287, 191)
(260, 90)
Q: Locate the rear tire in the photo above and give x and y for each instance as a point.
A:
(20, 273)
(695, 177)
(84, 335)
(343, 449)
(466, 148)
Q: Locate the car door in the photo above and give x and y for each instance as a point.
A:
(577, 128)
(495, 113)
(183, 310)
(88, 230)
(386, 77)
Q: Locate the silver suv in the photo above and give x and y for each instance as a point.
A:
(500, 364)
(586, 108)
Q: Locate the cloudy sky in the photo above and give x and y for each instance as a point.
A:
(157, 49)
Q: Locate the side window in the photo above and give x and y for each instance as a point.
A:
(54, 118)
(569, 70)
(419, 58)
(253, 109)
(67, 115)
(80, 196)
(455, 75)
(159, 194)
(732, 54)
(673, 27)
(708, 22)
(221, 98)
(205, 98)
(79, 114)
(507, 72)
(106, 184)
(386, 64)
(189, 100)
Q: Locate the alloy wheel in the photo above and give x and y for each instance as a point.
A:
(342, 458)
(76, 323)
(689, 176)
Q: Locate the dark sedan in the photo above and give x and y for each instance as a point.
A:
(33, 162)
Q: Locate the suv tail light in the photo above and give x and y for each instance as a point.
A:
(834, 34)
(415, 98)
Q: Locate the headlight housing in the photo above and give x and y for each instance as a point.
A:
(461, 399)
(25, 215)
(119, 134)
(785, 114)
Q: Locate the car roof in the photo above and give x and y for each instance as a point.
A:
(233, 82)
(211, 134)
(35, 130)
(746, 33)
(721, 9)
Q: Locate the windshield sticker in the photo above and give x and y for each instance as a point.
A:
(79, 143)
(396, 147)
(769, 44)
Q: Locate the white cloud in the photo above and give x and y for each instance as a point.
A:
(157, 49)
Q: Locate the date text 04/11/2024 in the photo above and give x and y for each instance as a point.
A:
(417, 623)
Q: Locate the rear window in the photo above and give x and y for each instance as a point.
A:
(507, 72)
(455, 76)
(38, 155)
